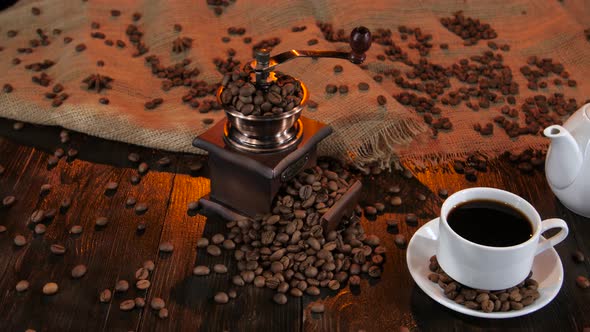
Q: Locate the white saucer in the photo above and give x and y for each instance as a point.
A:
(547, 270)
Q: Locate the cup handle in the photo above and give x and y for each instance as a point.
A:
(545, 244)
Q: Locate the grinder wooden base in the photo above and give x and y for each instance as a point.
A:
(343, 208)
(248, 182)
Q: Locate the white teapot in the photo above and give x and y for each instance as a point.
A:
(567, 165)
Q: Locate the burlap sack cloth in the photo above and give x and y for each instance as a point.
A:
(363, 131)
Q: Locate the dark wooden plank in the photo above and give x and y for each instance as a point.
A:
(110, 253)
(190, 298)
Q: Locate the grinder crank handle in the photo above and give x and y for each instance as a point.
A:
(360, 42)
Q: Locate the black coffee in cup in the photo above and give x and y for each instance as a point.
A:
(490, 223)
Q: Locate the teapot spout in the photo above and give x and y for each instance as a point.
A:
(564, 157)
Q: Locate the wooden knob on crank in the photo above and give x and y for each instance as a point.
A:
(360, 42)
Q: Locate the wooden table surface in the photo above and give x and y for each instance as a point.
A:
(115, 252)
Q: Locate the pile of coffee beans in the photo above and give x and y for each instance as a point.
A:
(528, 160)
(241, 94)
(515, 298)
(290, 251)
(469, 29)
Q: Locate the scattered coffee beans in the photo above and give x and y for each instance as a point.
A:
(166, 246)
(79, 271)
(105, 296)
(22, 286)
(50, 288)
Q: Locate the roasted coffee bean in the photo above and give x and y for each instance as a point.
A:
(121, 286)
(363, 86)
(101, 221)
(80, 47)
(400, 241)
(370, 210)
(578, 256)
(50, 288)
(582, 282)
(3, 229)
(18, 125)
(201, 270)
(141, 208)
(163, 313)
(76, 229)
(331, 88)
(22, 286)
(412, 219)
(202, 242)
(20, 240)
(143, 168)
(142, 273)
(396, 201)
(143, 284)
(7, 88)
(139, 302)
(105, 296)
(79, 271)
(280, 298)
(127, 305)
(37, 216)
(111, 185)
(157, 303)
(443, 193)
(8, 201)
(46, 188)
(35, 11)
(220, 268)
(221, 298)
(149, 265)
(213, 250)
(40, 229)
(166, 247)
(104, 100)
(381, 100)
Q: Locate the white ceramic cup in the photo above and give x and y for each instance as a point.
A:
(492, 268)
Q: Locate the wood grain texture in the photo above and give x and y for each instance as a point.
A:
(116, 251)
